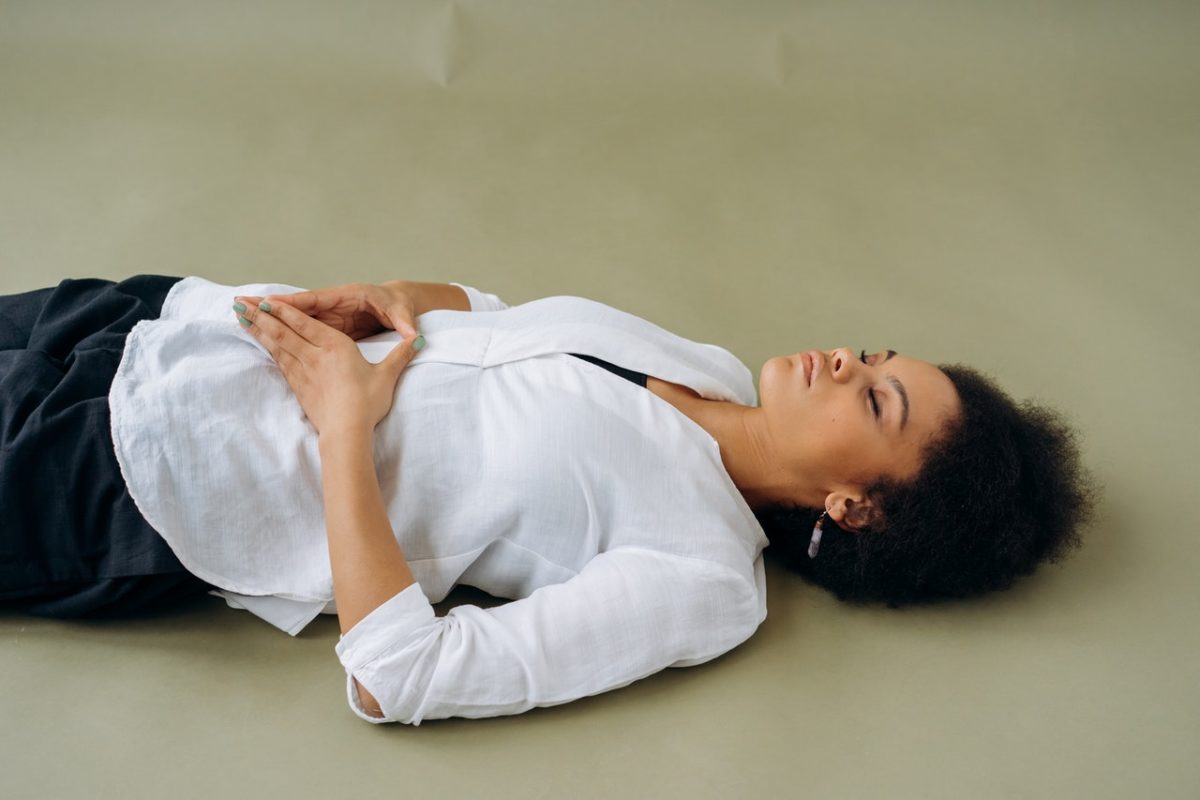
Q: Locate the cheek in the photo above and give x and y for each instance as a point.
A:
(845, 444)
(842, 442)
(827, 434)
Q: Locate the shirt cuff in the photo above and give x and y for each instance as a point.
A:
(386, 627)
(481, 301)
(356, 704)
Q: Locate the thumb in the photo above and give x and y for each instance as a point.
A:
(403, 353)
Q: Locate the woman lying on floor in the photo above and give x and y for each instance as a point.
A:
(299, 452)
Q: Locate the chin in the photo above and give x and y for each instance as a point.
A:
(775, 369)
(789, 363)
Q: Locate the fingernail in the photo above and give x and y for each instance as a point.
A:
(244, 321)
(265, 306)
(238, 307)
(419, 342)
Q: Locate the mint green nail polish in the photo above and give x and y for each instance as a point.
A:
(419, 342)
(265, 306)
(244, 321)
(238, 307)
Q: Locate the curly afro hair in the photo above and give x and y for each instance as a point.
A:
(1001, 490)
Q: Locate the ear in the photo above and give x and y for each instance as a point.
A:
(853, 512)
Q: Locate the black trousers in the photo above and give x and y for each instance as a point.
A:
(72, 542)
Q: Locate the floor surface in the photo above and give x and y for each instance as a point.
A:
(1011, 185)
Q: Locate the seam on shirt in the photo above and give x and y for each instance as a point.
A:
(482, 547)
(444, 556)
(487, 348)
(717, 564)
(536, 554)
(418, 707)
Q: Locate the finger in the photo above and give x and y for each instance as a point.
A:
(306, 301)
(274, 334)
(403, 324)
(312, 331)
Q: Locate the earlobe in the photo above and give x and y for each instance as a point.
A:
(852, 514)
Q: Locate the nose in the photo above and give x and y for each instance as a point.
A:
(842, 364)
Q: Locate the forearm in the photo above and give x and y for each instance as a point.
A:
(368, 565)
(433, 296)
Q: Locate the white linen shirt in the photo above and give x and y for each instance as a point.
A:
(599, 509)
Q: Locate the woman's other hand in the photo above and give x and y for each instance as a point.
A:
(358, 309)
(336, 386)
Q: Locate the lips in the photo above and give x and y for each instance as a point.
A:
(806, 361)
(812, 365)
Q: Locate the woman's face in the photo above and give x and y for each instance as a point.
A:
(841, 423)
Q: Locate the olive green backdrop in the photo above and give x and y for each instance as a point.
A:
(1012, 185)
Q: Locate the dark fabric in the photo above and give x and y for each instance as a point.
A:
(635, 377)
(72, 542)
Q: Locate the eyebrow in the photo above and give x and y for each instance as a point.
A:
(900, 390)
(899, 387)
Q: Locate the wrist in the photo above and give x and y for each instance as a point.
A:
(345, 433)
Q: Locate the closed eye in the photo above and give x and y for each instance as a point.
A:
(870, 392)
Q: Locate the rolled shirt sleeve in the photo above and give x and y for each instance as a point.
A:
(628, 614)
(481, 301)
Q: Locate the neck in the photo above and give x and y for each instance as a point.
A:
(746, 450)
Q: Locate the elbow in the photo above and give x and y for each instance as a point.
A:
(368, 702)
(367, 708)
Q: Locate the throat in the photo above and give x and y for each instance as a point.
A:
(682, 397)
(742, 454)
(688, 402)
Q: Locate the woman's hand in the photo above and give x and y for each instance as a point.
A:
(358, 309)
(335, 385)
